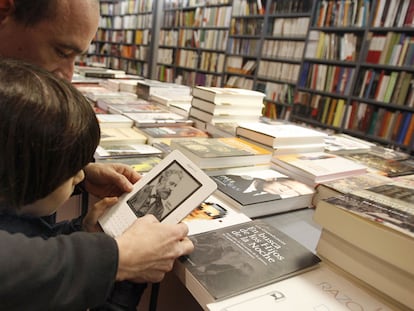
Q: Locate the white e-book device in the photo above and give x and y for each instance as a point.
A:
(170, 191)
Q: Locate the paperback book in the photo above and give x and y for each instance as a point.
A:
(213, 214)
(158, 119)
(164, 134)
(222, 152)
(316, 167)
(113, 120)
(261, 192)
(221, 95)
(119, 150)
(240, 258)
(279, 135)
(121, 135)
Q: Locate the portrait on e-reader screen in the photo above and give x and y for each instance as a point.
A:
(164, 192)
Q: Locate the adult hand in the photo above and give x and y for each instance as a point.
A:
(148, 249)
(90, 221)
(109, 180)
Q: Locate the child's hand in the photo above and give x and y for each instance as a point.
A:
(90, 221)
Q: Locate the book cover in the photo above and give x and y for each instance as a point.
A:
(381, 277)
(141, 164)
(116, 150)
(318, 167)
(213, 214)
(240, 258)
(157, 119)
(322, 289)
(220, 96)
(277, 135)
(166, 133)
(381, 165)
(131, 107)
(121, 134)
(113, 120)
(222, 152)
(260, 192)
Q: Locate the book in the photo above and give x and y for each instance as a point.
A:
(213, 214)
(323, 288)
(342, 143)
(222, 152)
(261, 192)
(345, 185)
(278, 135)
(168, 99)
(227, 96)
(140, 164)
(381, 219)
(119, 150)
(240, 258)
(157, 119)
(166, 133)
(226, 108)
(394, 284)
(316, 167)
(131, 107)
(113, 120)
(121, 134)
(170, 191)
(146, 88)
(380, 164)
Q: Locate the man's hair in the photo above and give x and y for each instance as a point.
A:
(30, 12)
(48, 132)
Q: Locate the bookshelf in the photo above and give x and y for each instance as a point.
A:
(356, 75)
(265, 50)
(193, 38)
(124, 36)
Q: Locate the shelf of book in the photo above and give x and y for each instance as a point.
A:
(124, 35)
(193, 38)
(357, 71)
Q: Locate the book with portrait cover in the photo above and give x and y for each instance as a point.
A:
(240, 258)
(222, 152)
(261, 192)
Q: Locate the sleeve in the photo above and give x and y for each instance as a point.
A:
(73, 272)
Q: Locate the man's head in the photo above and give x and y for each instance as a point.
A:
(167, 182)
(48, 33)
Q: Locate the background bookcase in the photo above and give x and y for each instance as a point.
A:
(124, 36)
(344, 65)
(356, 75)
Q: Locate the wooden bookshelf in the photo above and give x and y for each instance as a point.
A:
(356, 75)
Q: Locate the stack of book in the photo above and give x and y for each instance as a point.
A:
(370, 235)
(146, 88)
(215, 153)
(176, 102)
(262, 191)
(313, 168)
(214, 104)
(283, 138)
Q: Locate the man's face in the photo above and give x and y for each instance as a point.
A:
(166, 185)
(54, 43)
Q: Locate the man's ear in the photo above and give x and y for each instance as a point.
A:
(6, 9)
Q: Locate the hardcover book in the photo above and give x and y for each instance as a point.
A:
(222, 152)
(240, 258)
(316, 167)
(261, 192)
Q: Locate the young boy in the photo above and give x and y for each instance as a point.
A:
(48, 133)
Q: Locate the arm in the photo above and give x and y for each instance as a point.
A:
(64, 273)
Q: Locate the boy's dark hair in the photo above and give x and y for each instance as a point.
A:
(48, 132)
(30, 12)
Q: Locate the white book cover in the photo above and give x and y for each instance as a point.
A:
(321, 289)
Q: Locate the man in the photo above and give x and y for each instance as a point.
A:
(150, 199)
(51, 33)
